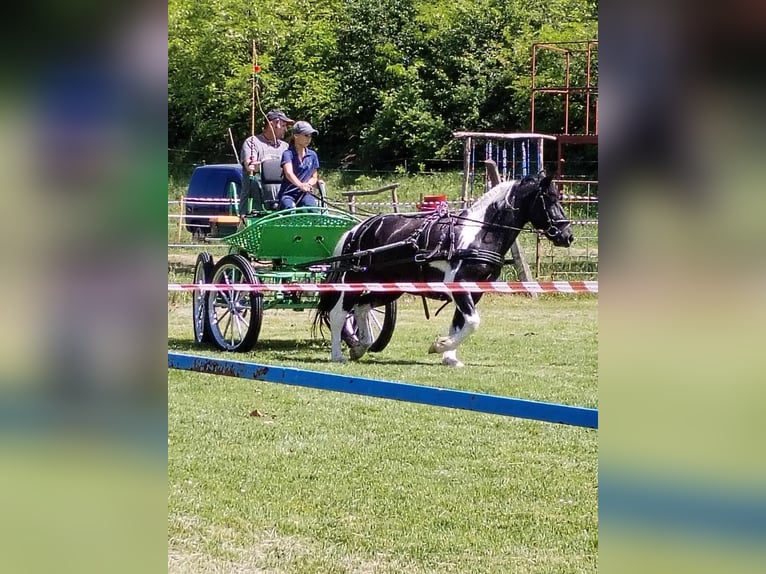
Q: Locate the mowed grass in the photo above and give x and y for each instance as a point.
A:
(268, 477)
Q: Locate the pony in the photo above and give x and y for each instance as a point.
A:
(469, 245)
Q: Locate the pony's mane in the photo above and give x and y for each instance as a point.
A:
(497, 194)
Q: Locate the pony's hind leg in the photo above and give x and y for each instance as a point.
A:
(337, 318)
(362, 318)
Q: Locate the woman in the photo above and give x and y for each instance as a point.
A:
(299, 169)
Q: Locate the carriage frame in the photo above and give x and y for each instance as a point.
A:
(288, 247)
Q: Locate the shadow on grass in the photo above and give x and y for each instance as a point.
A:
(177, 344)
(435, 362)
(285, 350)
(367, 360)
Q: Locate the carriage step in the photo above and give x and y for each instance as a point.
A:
(225, 220)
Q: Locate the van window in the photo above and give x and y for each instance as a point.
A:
(210, 183)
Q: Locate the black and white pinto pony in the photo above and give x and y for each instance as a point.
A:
(469, 245)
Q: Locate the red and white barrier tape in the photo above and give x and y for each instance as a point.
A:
(464, 287)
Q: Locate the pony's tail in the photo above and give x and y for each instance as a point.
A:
(327, 300)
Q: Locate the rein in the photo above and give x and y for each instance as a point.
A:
(491, 224)
(551, 231)
(510, 205)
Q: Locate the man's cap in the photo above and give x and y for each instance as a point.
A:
(304, 128)
(278, 115)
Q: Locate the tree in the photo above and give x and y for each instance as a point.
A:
(383, 81)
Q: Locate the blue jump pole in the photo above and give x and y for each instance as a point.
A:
(492, 404)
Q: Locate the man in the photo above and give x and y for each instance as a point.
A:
(256, 149)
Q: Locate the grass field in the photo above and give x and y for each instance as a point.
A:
(270, 478)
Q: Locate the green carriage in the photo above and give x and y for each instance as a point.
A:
(286, 247)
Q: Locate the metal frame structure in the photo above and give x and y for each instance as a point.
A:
(569, 51)
(469, 160)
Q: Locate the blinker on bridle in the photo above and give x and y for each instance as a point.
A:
(552, 230)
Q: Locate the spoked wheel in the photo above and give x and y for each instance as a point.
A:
(203, 273)
(382, 321)
(234, 315)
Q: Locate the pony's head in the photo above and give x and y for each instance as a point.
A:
(543, 202)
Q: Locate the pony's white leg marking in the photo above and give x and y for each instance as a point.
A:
(471, 324)
(337, 316)
(337, 319)
(456, 336)
(443, 344)
(450, 359)
(362, 317)
(362, 314)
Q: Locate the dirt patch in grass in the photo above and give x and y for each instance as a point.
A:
(182, 260)
(274, 554)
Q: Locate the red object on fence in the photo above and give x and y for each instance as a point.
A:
(432, 202)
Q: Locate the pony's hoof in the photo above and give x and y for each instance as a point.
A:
(450, 362)
(357, 352)
(340, 359)
(441, 345)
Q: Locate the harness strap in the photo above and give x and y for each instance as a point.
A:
(447, 302)
(424, 255)
(420, 256)
(425, 307)
(478, 256)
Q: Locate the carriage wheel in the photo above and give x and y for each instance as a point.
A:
(235, 316)
(382, 322)
(203, 273)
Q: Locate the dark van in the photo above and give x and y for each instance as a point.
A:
(214, 190)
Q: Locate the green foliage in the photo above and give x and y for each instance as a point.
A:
(383, 81)
(404, 127)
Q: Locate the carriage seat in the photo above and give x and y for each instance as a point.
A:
(271, 181)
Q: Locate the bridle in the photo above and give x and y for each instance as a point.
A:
(553, 230)
(509, 199)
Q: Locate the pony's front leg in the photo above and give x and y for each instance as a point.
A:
(337, 318)
(450, 359)
(464, 322)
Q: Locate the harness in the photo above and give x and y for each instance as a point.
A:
(445, 250)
